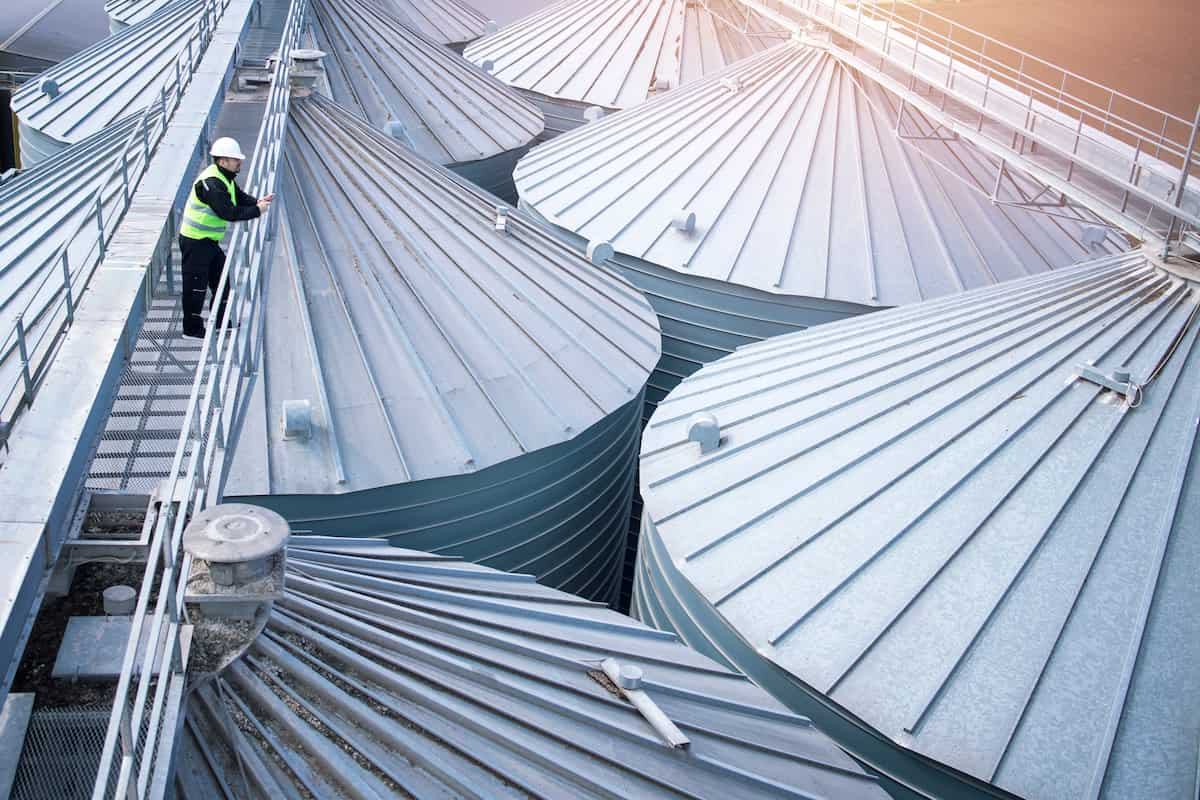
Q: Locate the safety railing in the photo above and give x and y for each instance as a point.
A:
(130, 762)
(1090, 132)
(50, 311)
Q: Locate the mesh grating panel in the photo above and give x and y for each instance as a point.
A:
(61, 754)
(138, 443)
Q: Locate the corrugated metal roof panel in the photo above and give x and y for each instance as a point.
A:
(41, 207)
(473, 392)
(388, 672)
(481, 346)
(452, 22)
(800, 185)
(616, 53)
(927, 519)
(450, 110)
(106, 82)
(123, 13)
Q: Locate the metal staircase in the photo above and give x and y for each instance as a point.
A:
(1133, 164)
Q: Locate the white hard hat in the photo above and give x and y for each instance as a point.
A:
(226, 147)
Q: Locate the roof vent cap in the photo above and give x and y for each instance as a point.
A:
(297, 419)
(49, 87)
(119, 600)
(599, 252)
(239, 541)
(490, 27)
(593, 113)
(488, 66)
(684, 221)
(704, 429)
(501, 224)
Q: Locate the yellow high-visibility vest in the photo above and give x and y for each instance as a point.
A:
(199, 221)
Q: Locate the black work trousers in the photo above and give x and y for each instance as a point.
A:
(203, 263)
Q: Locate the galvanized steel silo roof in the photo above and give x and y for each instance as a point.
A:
(615, 54)
(446, 108)
(108, 81)
(473, 390)
(450, 22)
(391, 673)
(956, 533)
(778, 195)
(123, 13)
(41, 207)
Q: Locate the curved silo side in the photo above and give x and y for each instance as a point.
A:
(41, 207)
(621, 52)
(960, 535)
(123, 13)
(110, 80)
(445, 108)
(474, 385)
(392, 673)
(454, 23)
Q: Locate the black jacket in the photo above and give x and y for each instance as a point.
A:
(215, 195)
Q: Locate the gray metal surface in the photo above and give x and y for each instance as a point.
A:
(392, 673)
(616, 53)
(805, 179)
(49, 31)
(123, 13)
(451, 111)
(106, 82)
(972, 567)
(41, 208)
(473, 391)
(452, 22)
(48, 452)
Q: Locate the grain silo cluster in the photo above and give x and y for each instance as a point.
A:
(631, 398)
(115, 78)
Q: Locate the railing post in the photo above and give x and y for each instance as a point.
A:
(1184, 171)
(23, 349)
(100, 224)
(66, 267)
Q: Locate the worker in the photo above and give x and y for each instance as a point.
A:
(214, 202)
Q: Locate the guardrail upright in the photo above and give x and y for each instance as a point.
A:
(129, 763)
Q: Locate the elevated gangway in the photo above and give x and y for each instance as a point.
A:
(140, 741)
(1132, 163)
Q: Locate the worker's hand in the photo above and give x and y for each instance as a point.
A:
(264, 202)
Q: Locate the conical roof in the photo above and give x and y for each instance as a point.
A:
(452, 22)
(110, 80)
(616, 53)
(41, 207)
(480, 346)
(450, 110)
(947, 527)
(391, 673)
(131, 12)
(799, 185)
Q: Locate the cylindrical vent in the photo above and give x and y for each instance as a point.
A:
(119, 600)
(297, 419)
(237, 540)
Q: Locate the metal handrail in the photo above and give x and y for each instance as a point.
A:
(197, 470)
(96, 228)
(1112, 135)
